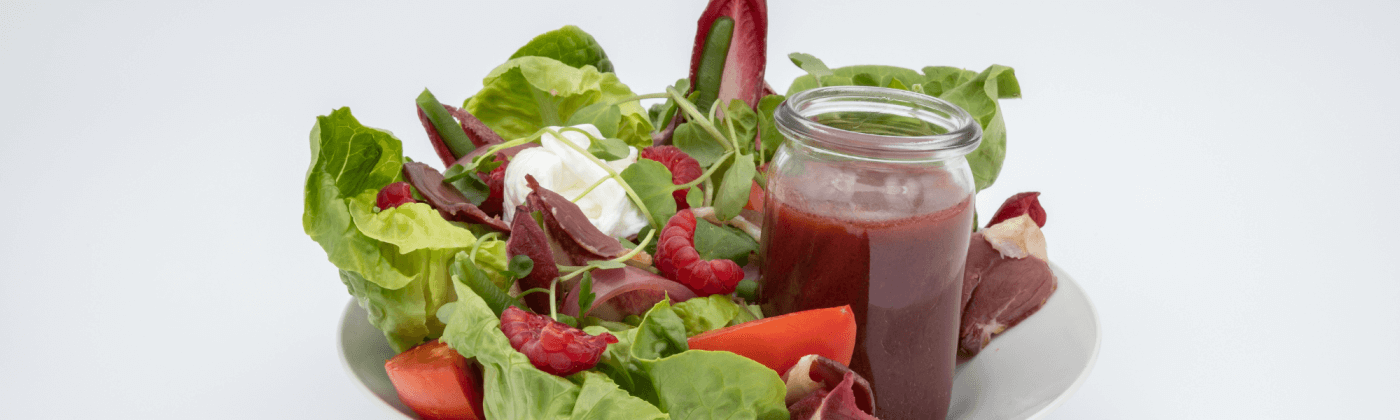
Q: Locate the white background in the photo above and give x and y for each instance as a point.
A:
(1220, 178)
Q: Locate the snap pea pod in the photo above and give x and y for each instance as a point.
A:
(447, 128)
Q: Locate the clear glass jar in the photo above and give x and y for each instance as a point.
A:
(870, 204)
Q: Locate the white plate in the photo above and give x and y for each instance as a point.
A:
(1024, 374)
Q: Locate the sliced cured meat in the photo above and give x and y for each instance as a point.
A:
(839, 403)
(570, 228)
(998, 293)
(528, 239)
(625, 291)
(447, 199)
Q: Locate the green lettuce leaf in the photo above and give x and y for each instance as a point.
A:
(977, 93)
(874, 74)
(697, 384)
(401, 314)
(528, 93)
(349, 159)
(652, 182)
(725, 242)
(393, 261)
(601, 399)
(708, 313)
(770, 137)
(978, 97)
(514, 388)
(699, 144)
(705, 385)
(570, 45)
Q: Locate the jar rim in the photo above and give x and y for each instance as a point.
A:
(797, 118)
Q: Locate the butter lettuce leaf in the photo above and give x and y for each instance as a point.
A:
(873, 75)
(514, 388)
(709, 313)
(394, 262)
(704, 385)
(570, 45)
(691, 384)
(601, 399)
(977, 93)
(978, 97)
(528, 93)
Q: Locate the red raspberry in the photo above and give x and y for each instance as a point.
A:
(677, 259)
(496, 180)
(394, 195)
(683, 168)
(552, 346)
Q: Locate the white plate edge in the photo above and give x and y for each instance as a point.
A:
(1093, 356)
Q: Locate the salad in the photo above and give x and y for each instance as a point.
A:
(581, 256)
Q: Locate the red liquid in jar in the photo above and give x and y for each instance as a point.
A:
(895, 252)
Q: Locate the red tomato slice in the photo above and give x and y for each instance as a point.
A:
(779, 341)
(755, 198)
(437, 383)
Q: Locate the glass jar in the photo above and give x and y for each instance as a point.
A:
(870, 204)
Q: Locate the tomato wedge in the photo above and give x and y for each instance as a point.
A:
(437, 383)
(779, 341)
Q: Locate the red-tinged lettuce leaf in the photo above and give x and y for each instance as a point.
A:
(476, 131)
(439, 146)
(570, 228)
(1019, 204)
(625, 291)
(480, 134)
(528, 239)
(447, 199)
(839, 403)
(748, 48)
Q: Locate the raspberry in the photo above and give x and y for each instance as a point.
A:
(683, 168)
(394, 195)
(678, 260)
(552, 346)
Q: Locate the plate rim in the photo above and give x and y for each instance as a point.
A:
(388, 406)
(1093, 355)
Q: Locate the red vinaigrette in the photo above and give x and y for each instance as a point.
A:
(870, 204)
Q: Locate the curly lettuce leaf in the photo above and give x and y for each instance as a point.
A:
(977, 93)
(393, 261)
(529, 93)
(570, 45)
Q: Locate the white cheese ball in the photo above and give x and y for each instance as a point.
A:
(563, 170)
